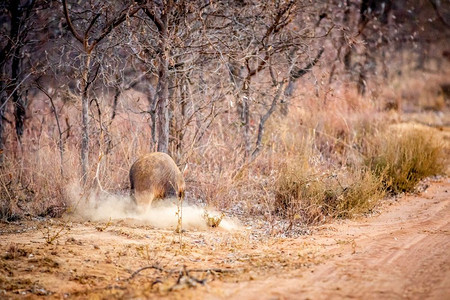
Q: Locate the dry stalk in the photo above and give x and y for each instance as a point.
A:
(51, 236)
(103, 228)
(179, 228)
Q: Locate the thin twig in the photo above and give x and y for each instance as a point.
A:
(60, 141)
(12, 93)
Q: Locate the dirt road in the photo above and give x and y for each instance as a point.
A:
(402, 252)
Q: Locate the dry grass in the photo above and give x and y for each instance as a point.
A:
(325, 159)
(421, 91)
(361, 195)
(34, 180)
(32, 185)
(305, 196)
(404, 156)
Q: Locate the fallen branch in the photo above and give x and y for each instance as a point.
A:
(146, 268)
(216, 270)
(185, 280)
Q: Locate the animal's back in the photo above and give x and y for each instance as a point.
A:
(154, 176)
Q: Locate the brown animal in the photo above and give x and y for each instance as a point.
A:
(155, 176)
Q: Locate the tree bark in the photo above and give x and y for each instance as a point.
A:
(85, 119)
(17, 97)
(12, 53)
(265, 117)
(245, 116)
(20, 33)
(159, 110)
(162, 108)
(3, 97)
(90, 43)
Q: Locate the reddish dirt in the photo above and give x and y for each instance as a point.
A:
(402, 252)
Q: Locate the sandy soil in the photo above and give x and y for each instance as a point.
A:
(401, 252)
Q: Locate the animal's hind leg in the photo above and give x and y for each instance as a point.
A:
(144, 199)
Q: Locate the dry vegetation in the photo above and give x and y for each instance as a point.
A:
(230, 106)
(328, 161)
(287, 120)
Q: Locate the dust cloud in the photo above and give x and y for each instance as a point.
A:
(104, 206)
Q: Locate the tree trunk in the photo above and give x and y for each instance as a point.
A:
(18, 99)
(163, 112)
(85, 119)
(162, 108)
(245, 116)
(3, 97)
(264, 118)
(183, 102)
(362, 80)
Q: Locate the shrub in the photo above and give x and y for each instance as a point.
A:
(298, 193)
(361, 195)
(307, 197)
(404, 156)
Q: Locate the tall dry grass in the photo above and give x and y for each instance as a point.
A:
(34, 178)
(321, 173)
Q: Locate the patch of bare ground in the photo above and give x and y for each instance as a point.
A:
(401, 252)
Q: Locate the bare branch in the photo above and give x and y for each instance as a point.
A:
(436, 6)
(94, 19)
(125, 13)
(69, 23)
(297, 73)
(157, 21)
(145, 268)
(265, 117)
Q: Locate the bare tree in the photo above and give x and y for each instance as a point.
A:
(165, 16)
(12, 65)
(270, 39)
(97, 24)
